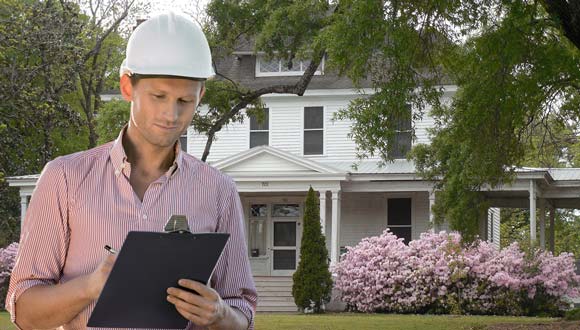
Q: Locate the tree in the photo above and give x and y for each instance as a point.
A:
(111, 118)
(291, 28)
(103, 54)
(312, 280)
(514, 64)
(39, 48)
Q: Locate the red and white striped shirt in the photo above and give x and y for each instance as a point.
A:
(84, 201)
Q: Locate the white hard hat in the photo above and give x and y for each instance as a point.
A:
(168, 44)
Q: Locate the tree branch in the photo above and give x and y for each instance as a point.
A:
(299, 88)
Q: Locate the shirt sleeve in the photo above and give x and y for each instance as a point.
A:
(232, 278)
(44, 238)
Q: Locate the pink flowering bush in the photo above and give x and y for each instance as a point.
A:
(436, 274)
(7, 261)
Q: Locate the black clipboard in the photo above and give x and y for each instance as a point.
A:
(134, 295)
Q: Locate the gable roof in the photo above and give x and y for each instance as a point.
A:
(267, 159)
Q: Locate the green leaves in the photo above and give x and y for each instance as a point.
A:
(112, 116)
(312, 281)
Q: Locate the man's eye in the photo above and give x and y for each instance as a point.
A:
(158, 96)
(185, 101)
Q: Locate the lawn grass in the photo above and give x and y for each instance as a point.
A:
(5, 323)
(349, 321)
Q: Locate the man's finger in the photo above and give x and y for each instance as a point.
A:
(200, 288)
(193, 317)
(193, 313)
(190, 298)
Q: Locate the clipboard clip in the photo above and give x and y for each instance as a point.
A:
(177, 224)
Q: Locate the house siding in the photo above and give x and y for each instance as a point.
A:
(285, 127)
(232, 139)
(365, 214)
(286, 130)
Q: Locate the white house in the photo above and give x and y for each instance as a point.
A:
(299, 146)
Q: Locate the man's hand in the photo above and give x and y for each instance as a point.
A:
(206, 309)
(96, 280)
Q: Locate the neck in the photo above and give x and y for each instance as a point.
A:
(146, 156)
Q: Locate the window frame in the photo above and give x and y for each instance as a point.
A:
(281, 73)
(323, 129)
(250, 131)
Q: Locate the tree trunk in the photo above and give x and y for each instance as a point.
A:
(567, 14)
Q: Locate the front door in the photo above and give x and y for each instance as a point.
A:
(275, 232)
(285, 238)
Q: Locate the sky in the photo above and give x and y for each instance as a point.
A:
(193, 7)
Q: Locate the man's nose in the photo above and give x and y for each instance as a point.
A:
(171, 111)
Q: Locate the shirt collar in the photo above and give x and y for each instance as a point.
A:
(119, 157)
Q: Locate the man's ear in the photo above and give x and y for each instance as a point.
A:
(126, 88)
(201, 93)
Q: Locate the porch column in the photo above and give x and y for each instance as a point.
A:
(532, 212)
(542, 224)
(323, 211)
(335, 248)
(431, 215)
(552, 228)
(23, 208)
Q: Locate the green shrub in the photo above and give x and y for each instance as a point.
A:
(573, 315)
(312, 280)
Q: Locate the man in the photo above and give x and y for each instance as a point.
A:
(90, 199)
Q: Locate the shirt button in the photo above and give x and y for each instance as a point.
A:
(145, 216)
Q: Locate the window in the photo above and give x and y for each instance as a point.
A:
(183, 142)
(278, 67)
(399, 217)
(313, 130)
(258, 216)
(403, 136)
(259, 131)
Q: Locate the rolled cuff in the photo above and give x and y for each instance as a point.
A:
(245, 307)
(16, 292)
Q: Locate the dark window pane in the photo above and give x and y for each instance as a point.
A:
(295, 66)
(404, 121)
(284, 259)
(183, 142)
(272, 65)
(258, 139)
(263, 125)
(285, 233)
(313, 117)
(402, 232)
(259, 210)
(286, 210)
(402, 145)
(399, 211)
(313, 144)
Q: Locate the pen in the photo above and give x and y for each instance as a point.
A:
(110, 249)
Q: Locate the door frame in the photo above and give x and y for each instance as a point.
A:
(269, 224)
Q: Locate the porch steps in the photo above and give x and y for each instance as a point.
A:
(275, 294)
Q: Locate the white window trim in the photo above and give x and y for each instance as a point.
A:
(250, 130)
(323, 129)
(281, 73)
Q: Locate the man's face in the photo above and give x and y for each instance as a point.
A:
(162, 108)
